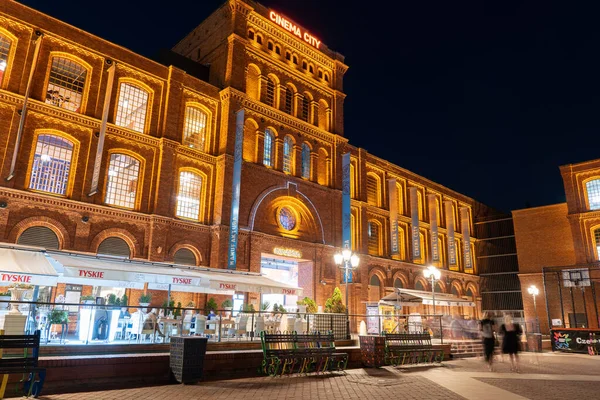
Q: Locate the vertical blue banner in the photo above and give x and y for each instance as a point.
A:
(414, 213)
(451, 242)
(235, 192)
(465, 229)
(346, 219)
(393, 201)
(433, 224)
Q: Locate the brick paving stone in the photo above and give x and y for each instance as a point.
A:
(546, 389)
(357, 384)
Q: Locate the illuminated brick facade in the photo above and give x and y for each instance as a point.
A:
(166, 173)
(562, 235)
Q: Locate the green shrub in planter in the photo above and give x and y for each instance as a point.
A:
(58, 316)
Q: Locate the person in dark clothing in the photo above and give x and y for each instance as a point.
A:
(486, 326)
(511, 341)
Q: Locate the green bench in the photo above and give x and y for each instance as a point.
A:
(301, 353)
(410, 348)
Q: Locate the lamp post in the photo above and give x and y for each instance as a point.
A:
(347, 261)
(534, 292)
(434, 274)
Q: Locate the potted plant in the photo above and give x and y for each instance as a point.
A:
(17, 294)
(227, 306)
(144, 301)
(5, 296)
(168, 307)
(59, 317)
(113, 300)
(211, 305)
(334, 304)
(177, 311)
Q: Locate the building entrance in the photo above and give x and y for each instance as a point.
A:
(290, 271)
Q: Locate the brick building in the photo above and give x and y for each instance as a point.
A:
(558, 252)
(164, 178)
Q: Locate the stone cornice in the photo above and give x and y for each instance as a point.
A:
(194, 154)
(59, 121)
(291, 73)
(14, 24)
(279, 117)
(265, 25)
(139, 74)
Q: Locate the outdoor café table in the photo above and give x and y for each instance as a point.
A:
(168, 324)
(226, 324)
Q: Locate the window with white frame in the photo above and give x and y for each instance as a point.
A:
(122, 180)
(66, 84)
(268, 148)
(4, 50)
(305, 161)
(51, 164)
(188, 198)
(288, 148)
(593, 194)
(194, 128)
(132, 107)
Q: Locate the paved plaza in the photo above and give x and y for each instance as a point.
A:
(543, 376)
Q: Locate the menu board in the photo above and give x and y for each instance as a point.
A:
(373, 319)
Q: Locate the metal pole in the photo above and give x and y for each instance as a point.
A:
(347, 305)
(573, 303)
(537, 323)
(433, 293)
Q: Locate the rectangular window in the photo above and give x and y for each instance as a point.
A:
(188, 199)
(289, 99)
(268, 149)
(122, 181)
(593, 193)
(270, 95)
(132, 107)
(51, 164)
(66, 84)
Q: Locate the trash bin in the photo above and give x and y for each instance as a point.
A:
(534, 342)
(187, 358)
(372, 351)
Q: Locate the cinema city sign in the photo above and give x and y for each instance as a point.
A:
(296, 30)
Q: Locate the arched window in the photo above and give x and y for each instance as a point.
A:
(470, 293)
(419, 286)
(454, 291)
(251, 35)
(304, 65)
(40, 236)
(326, 77)
(122, 181)
(288, 151)
(375, 281)
(353, 232)
(305, 108)
(320, 74)
(114, 246)
(352, 180)
(270, 45)
(295, 59)
(311, 69)
(593, 194)
(5, 44)
(288, 107)
(374, 237)
(372, 190)
(277, 49)
(189, 194)
(305, 161)
(400, 195)
(194, 128)
(259, 39)
(438, 288)
(185, 257)
(268, 148)
(51, 164)
(66, 84)
(316, 115)
(420, 205)
(132, 107)
(597, 239)
(270, 93)
(288, 55)
(398, 283)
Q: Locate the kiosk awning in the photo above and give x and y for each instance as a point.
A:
(409, 297)
(26, 267)
(250, 282)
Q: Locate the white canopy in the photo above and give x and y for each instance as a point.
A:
(409, 297)
(26, 267)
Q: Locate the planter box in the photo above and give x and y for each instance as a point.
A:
(187, 358)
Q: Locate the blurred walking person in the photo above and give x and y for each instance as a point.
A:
(511, 341)
(486, 326)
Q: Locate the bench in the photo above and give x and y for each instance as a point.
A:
(22, 358)
(301, 353)
(410, 348)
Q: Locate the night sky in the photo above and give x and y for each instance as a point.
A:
(486, 99)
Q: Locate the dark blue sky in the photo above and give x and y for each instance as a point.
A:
(486, 98)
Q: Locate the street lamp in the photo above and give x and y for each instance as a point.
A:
(347, 261)
(434, 274)
(534, 292)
